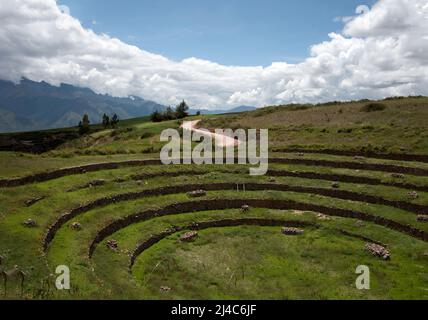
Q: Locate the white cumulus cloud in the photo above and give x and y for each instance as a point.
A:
(382, 51)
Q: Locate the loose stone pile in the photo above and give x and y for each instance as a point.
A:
(188, 236)
(359, 223)
(321, 216)
(292, 231)
(76, 226)
(423, 218)
(413, 195)
(378, 251)
(398, 175)
(245, 208)
(197, 193)
(335, 185)
(30, 223)
(112, 244)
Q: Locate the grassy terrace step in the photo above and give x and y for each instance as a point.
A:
(121, 178)
(60, 201)
(55, 202)
(45, 176)
(97, 219)
(296, 174)
(250, 186)
(354, 153)
(221, 204)
(63, 199)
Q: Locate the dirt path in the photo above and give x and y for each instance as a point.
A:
(221, 139)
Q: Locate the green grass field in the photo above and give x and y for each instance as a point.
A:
(339, 207)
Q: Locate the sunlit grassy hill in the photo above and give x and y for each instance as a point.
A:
(391, 125)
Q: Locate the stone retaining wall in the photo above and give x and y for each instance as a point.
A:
(346, 195)
(223, 204)
(366, 154)
(45, 176)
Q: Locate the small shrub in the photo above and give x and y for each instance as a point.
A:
(146, 135)
(372, 107)
(148, 150)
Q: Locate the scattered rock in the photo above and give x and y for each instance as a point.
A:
(378, 251)
(422, 218)
(292, 231)
(301, 154)
(359, 223)
(272, 179)
(188, 236)
(173, 228)
(76, 226)
(30, 223)
(30, 202)
(321, 216)
(413, 195)
(112, 244)
(359, 158)
(297, 212)
(197, 193)
(245, 208)
(398, 175)
(96, 183)
(335, 185)
(165, 289)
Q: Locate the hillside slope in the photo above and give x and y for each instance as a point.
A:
(390, 125)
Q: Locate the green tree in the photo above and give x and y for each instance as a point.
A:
(106, 121)
(156, 116)
(84, 124)
(169, 114)
(114, 121)
(182, 110)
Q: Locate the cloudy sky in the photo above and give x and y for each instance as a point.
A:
(217, 55)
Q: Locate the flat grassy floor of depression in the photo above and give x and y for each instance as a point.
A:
(261, 263)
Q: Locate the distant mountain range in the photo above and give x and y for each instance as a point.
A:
(31, 105)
